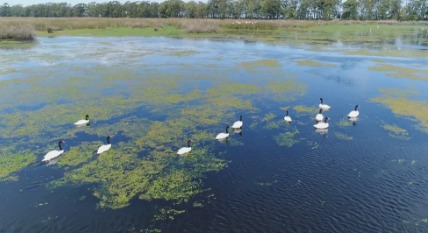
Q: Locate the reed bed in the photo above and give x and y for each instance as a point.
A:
(17, 32)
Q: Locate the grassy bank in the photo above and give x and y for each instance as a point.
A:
(16, 31)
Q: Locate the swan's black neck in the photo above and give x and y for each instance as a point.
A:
(87, 117)
(325, 119)
(227, 129)
(240, 118)
(59, 145)
(320, 111)
(356, 107)
(108, 140)
(321, 100)
(188, 143)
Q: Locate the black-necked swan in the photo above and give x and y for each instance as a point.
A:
(354, 113)
(53, 153)
(322, 124)
(319, 116)
(287, 118)
(104, 147)
(323, 106)
(222, 136)
(238, 124)
(185, 150)
(83, 121)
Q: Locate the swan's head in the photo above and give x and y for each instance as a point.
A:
(188, 142)
(321, 100)
(286, 112)
(61, 142)
(326, 119)
(227, 129)
(240, 117)
(356, 107)
(320, 111)
(87, 117)
(108, 139)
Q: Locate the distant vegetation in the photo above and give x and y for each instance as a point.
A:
(232, 9)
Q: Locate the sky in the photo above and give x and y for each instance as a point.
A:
(72, 2)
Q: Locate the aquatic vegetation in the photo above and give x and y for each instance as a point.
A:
(182, 53)
(313, 63)
(344, 122)
(287, 88)
(168, 214)
(259, 63)
(396, 132)
(269, 116)
(12, 162)
(79, 154)
(343, 136)
(402, 72)
(406, 107)
(287, 139)
(398, 92)
(304, 109)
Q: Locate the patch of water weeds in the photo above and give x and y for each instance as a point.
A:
(397, 71)
(314, 63)
(396, 132)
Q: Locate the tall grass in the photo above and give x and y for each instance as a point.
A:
(18, 32)
(200, 25)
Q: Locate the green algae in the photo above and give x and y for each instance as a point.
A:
(403, 106)
(288, 88)
(287, 139)
(168, 214)
(182, 53)
(79, 154)
(344, 122)
(259, 63)
(343, 136)
(397, 71)
(268, 117)
(304, 109)
(396, 132)
(313, 63)
(13, 162)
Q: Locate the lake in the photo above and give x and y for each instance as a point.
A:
(153, 94)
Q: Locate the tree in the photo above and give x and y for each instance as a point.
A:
(350, 10)
(271, 9)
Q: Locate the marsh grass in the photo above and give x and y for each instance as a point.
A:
(17, 32)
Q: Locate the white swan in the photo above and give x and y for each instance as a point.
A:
(222, 136)
(319, 116)
(238, 124)
(83, 121)
(323, 106)
(105, 147)
(185, 150)
(53, 153)
(355, 113)
(287, 118)
(322, 124)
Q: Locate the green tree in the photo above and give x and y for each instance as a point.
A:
(271, 9)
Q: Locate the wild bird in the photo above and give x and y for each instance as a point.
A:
(322, 124)
(323, 106)
(354, 113)
(185, 150)
(83, 121)
(319, 116)
(238, 124)
(287, 118)
(54, 153)
(222, 136)
(104, 147)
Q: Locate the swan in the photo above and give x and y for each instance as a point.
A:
(238, 124)
(222, 136)
(53, 153)
(104, 147)
(323, 106)
(184, 150)
(83, 121)
(287, 118)
(319, 116)
(322, 124)
(355, 113)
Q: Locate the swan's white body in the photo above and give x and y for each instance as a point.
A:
(324, 106)
(104, 147)
(238, 124)
(53, 153)
(222, 136)
(82, 122)
(322, 125)
(287, 118)
(354, 113)
(185, 150)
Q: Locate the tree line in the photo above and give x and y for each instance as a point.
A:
(232, 9)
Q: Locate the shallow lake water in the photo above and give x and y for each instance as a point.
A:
(153, 94)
